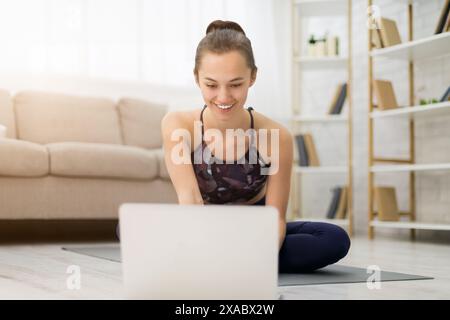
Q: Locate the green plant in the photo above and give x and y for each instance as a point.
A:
(429, 101)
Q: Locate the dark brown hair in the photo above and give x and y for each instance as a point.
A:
(225, 36)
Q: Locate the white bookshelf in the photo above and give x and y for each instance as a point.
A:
(410, 167)
(321, 118)
(429, 110)
(326, 10)
(430, 47)
(318, 63)
(412, 50)
(410, 225)
(321, 169)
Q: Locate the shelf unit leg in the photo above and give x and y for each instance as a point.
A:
(350, 123)
(371, 233)
(412, 177)
(370, 135)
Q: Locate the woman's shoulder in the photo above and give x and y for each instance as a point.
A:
(181, 119)
(283, 137)
(265, 122)
(275, 130)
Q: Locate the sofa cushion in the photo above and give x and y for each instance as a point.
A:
(76, 159)
(7, 114)
(46, 118)
(141, 122)
(23, 159)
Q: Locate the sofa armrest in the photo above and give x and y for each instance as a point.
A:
(23, 159)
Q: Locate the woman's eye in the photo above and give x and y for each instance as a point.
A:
(214, 86)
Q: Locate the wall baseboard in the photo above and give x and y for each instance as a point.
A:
(32, 231)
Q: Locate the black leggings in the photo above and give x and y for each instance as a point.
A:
(311, 245)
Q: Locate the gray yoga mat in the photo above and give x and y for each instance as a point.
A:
(111, 252)
(329, 275)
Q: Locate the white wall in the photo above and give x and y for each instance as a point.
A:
(149, 42)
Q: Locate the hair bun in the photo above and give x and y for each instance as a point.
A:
(220, 25)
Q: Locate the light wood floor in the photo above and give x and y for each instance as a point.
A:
(39, 272)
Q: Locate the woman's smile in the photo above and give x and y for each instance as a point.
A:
(224, 108)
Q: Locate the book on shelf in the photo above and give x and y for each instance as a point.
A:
(342, 206)
(306, 150)
(386, 203)
(336, 195)
(332, 44)
(302, 153)
(313, 159)
(384, 94)
(444, 19)
(447, 28)
(389, 32)
(376, 38)
(338, 99)
(337, 92)
(447, 24)
(446, 96)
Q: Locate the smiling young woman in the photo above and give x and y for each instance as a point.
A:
(224, 71)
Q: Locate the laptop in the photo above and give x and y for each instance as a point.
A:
(193, 252)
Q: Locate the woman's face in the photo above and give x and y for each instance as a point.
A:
(224, 80)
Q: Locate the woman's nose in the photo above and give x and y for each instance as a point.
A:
(223, 97)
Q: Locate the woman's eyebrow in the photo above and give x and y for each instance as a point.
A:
(235, 79)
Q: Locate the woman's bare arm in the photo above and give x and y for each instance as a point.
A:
(177, 154)
(278, 185)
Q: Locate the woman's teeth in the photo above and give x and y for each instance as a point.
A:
(224, 107)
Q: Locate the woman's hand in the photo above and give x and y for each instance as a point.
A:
(282, 233)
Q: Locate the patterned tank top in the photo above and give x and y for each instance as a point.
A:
(228, 183)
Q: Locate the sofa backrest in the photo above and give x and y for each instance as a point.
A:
(7, 114)
(49, 117)
(141, 122)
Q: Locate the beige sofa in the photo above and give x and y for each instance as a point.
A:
(71, 157)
